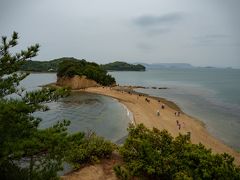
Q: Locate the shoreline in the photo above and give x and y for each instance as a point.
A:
(129, 113)
(144, 112)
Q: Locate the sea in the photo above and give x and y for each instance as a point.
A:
(209, 94)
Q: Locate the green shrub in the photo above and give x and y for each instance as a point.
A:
(85, 149)
(121, 172)
(155, 154)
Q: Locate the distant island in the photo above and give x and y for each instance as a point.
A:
(52, 65)
(167, 65)
(123, 66)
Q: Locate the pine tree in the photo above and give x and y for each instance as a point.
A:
(26, 152)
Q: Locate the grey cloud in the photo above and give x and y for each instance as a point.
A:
(150, 20)
(211, 39)
(216, 36)
(144, 46)
(156, 31)
(155, 25)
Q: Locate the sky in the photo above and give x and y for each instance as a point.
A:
(199, 32)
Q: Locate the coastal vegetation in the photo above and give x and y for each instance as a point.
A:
(28, 152)
(43, 66)
(123, 66)
(70, 68)
(155, 154)
(88, 148)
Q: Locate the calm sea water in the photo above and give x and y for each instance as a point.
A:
(87, 112)
(211, 95)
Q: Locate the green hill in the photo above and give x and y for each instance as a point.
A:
(52, 65)
(72, 67)
(123, 66)
(45, 66)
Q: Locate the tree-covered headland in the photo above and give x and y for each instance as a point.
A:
(70, 68)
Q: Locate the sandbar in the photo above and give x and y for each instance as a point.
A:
(146, 113)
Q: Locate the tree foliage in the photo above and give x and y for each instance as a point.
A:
(88, 148)
(52, 65)
(43, 66)
(91, 70)
(26, 152)
(10, 64)
(123, 66)
(155, 154)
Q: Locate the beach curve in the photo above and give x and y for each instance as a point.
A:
(146, 113)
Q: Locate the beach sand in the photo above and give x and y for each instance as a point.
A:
(146, 113)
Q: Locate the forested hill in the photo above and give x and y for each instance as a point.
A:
(45, 66)
(123, 66)
(52, 66)
(93, 71)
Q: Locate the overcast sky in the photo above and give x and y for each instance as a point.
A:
(200, 32)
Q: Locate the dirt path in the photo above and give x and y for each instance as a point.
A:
(102, 171)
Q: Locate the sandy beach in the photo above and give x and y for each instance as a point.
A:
(146, 113)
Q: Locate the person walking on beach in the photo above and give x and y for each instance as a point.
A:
(163, 106)
(178, 113)
(183, 125)
(147, 100)
(158, 112)
(179, 126)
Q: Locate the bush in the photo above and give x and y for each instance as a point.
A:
(121, 172)
(86, 149)
(155, 154)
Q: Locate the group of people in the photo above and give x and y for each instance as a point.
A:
(162, 107)
(177, 113)
(179, 125)
(147, 100)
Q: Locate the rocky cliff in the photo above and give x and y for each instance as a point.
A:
(76, 82)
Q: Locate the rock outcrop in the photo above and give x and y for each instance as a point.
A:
(76, 82)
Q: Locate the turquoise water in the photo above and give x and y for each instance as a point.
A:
(87, 112)
(211, 95)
